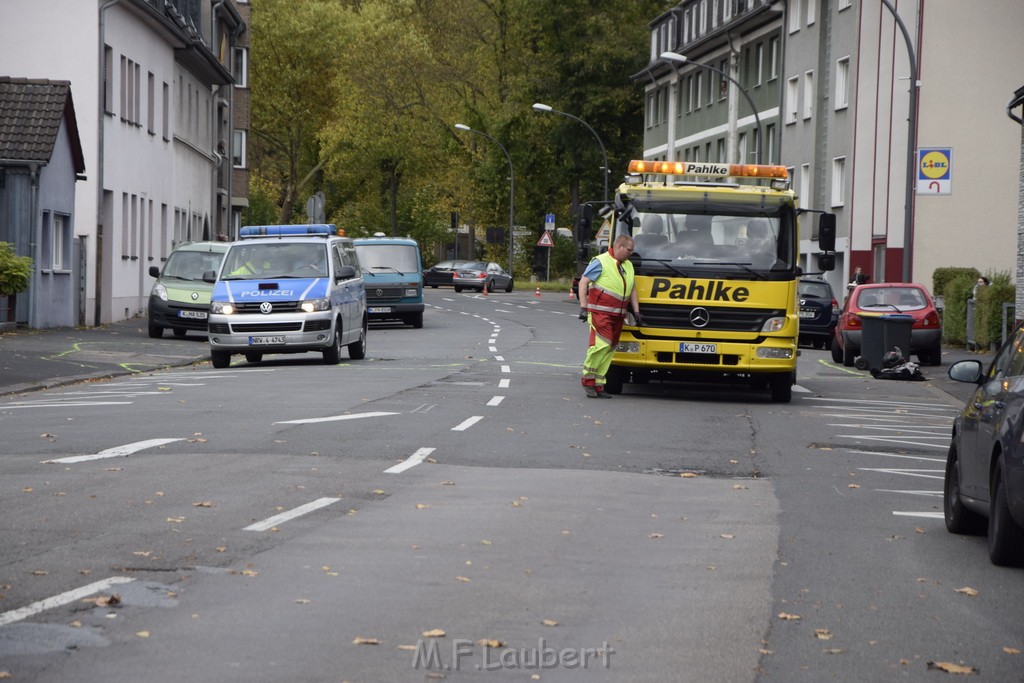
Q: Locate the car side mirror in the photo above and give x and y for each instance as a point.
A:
(345, 273)
(154, 271)
(208, 276)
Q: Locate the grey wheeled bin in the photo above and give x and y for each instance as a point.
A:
(883, 332)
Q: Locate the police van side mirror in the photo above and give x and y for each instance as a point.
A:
(345, 273)
(827, 232)
(208, 275)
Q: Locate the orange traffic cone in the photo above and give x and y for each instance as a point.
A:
(537, 293)
(485, 287)
(572, 294)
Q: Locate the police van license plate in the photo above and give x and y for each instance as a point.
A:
(266, 341)
(378, 309)
(194, 315)
(806, 314)
(696, 347)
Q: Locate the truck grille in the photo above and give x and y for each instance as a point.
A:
(720, 319)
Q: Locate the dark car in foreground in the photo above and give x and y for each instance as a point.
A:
(440, 274)
(907, 298)
(482, 274)
(819, 312)
(984, 481)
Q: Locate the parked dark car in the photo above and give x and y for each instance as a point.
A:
(907, 298)
(440, 274)
(819, 312)
(478, 274)
(984, 482)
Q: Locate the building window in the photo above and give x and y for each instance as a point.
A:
(838, 181)
(759, 65)
(808, 94)
(700, 90)
(689, 93)
(794, 15)
(650, 110)
(742, 148)
(773, 58)
(241, 67)
(124, 86)
(723, 81)
(792, 95)
(108, 79)
(842, 83)
(805, 186)
(844, 4)
(810, 12)
(167, 112)
(151, 103)
(238, 158)
(769, 152)
(721, 151)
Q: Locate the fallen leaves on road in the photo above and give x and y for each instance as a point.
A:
(104, 600)
(142, 634)
(175, 520)
(688, 475)
(822, 634)
(491, 642)
(967, 590)
(853, 486)
(204, 504)
(360, 640)
(1011, 650)
(434, 633)
(549, 622)
(655, 535)
(421, 506)
(952, 668)
(727, 537)
(786, 616)
(303, 601)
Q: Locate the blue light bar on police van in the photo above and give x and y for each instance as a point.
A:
(314, 230)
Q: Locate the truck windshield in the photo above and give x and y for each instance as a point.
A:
(667, 238)
(401, 258)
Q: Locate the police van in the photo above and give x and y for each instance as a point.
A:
(288, 289)
(393, 275)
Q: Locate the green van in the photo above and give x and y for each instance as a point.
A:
(180, 299)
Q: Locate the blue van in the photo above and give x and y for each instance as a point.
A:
(393, 277)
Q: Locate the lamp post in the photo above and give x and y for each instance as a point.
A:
(676, 57)
(511, 186)
(547, 108)
(908, 209)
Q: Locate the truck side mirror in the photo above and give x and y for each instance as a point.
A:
(827, 232)
(827, 261)
(585, 224)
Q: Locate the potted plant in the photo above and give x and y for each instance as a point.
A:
(15, 276)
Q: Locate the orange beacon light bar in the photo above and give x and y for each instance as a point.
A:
(701, 168)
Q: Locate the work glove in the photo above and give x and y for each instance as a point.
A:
(637, 320)
(583, 313)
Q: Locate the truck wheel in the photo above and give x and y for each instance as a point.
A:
(782, 387)
(357, 349)
(614, 380)
(415, 319)
(220, 359)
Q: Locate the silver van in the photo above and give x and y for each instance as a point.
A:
(288, 289)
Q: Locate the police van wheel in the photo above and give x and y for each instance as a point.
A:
(782, 388)
(254, 356)
(357, 349)
(220, 359)
(332, 354)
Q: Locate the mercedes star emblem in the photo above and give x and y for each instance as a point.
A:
(699, 317)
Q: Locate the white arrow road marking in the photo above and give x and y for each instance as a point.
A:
(116, 452)
(466, 424)
(413, 460)
(929, 515)
(62, 599)
(271, 522)
(333, 418)
(925, 474)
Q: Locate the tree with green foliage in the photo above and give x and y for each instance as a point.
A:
(15, 271)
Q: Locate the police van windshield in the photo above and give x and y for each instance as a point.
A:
(400, 258)
(699, 242)
(278, 260)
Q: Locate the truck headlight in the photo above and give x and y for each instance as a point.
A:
(222, 307)
(160, 291)
(311, 305)
(774, 352)
(412, 291)
(774, 324)
(628, 347)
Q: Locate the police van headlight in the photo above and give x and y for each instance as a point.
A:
(311, 305)
(774, 324)
(222, 307)
(159, 291)
(774, 353)
(628, 347)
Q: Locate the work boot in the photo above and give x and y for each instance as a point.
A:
(590, 390)
(601, 393)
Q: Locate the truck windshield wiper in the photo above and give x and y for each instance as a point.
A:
(665, 262)
(744, 266)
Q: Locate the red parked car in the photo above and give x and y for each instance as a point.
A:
(908, 298)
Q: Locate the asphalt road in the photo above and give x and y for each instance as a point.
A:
(295, 521)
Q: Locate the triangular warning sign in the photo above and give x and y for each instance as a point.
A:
(545, 240)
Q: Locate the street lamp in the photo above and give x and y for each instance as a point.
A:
(547, 108)
(908, 209)
(676, 57)
(511, 186)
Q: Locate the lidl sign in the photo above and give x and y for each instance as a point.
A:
(934, 170)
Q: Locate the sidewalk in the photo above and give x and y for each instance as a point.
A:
(40, 359)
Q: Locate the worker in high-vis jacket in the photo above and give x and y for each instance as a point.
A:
(607, 293)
